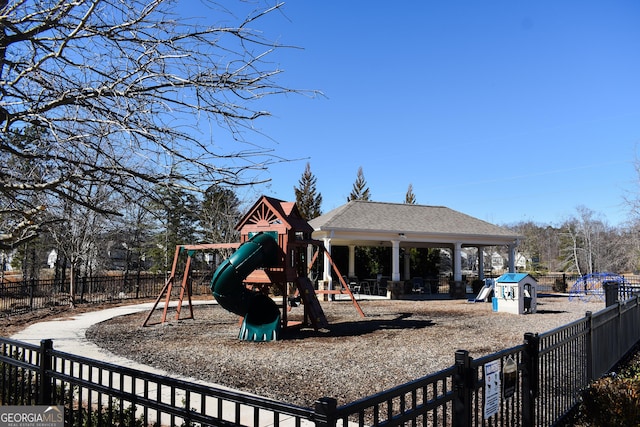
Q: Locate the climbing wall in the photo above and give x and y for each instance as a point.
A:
(311, 304)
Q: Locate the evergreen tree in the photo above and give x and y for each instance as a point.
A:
(177, 224)
(307, 197)
(410, 198)
(219, 215)
(360, 190)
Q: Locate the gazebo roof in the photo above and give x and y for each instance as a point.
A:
(360, 222)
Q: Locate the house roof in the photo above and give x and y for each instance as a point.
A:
(285, 212)
(513, 277)
(412, 222)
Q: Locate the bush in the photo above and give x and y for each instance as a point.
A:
(613, 400)
(560, 285)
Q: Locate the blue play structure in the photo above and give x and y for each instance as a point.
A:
(590, 286)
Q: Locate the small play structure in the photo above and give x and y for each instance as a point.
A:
(590, 287)
(486, 293)
(515, 293)
(272, 258)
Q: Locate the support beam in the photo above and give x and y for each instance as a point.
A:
(310, 257)
(395, 260)
(326, 267)
(457, 261)
(512, 257)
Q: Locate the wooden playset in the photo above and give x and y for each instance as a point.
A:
(274, 257)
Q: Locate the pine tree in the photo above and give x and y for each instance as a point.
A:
(410, 198)
(360, 190)
(307, 197)
(177, 223)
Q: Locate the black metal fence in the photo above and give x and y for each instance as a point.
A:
(17, 297)
(24, 295)
(534, 384)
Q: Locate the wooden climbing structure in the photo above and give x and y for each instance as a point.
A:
(287, 270)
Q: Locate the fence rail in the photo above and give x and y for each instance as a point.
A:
(24, 295)
(534, 384)
(18, 297)
(548, 372)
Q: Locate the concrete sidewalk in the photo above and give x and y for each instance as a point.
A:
(69, 335)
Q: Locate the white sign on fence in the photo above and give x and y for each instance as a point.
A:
(491, 388)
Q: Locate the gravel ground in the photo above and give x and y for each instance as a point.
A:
(396, 342)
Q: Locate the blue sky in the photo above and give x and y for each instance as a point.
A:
(505, 110)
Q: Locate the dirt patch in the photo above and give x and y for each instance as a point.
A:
(354, 357)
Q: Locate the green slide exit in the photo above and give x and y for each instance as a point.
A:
(261, 314)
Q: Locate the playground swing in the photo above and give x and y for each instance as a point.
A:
(185, 289)
(260, 321)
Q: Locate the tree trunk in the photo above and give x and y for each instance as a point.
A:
(72, 285)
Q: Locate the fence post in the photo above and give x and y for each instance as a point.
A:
(325, 412)
(530, 378)
(611, 290)
(589, 347)
(46, 381)
(463, 389)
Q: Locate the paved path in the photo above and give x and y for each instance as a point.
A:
(69, 335)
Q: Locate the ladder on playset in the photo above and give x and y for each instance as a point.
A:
(313, 309)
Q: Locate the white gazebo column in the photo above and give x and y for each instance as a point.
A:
(352, 261)
(481, 262)
(395, 260)
(457, 262)
(512, 257)
(326, 267)
(310, 250)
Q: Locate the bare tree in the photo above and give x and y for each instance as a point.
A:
(585, 244)
(116, 93)
(76, 232)
(220, 213)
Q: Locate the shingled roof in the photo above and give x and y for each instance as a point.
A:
(363, 217)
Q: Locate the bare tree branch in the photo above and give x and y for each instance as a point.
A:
(112, 93)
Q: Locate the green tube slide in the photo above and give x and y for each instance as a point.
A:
(261, 314)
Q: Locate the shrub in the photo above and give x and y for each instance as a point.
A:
(612, 401)
(560, 285)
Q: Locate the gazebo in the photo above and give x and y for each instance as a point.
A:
(401, 225)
